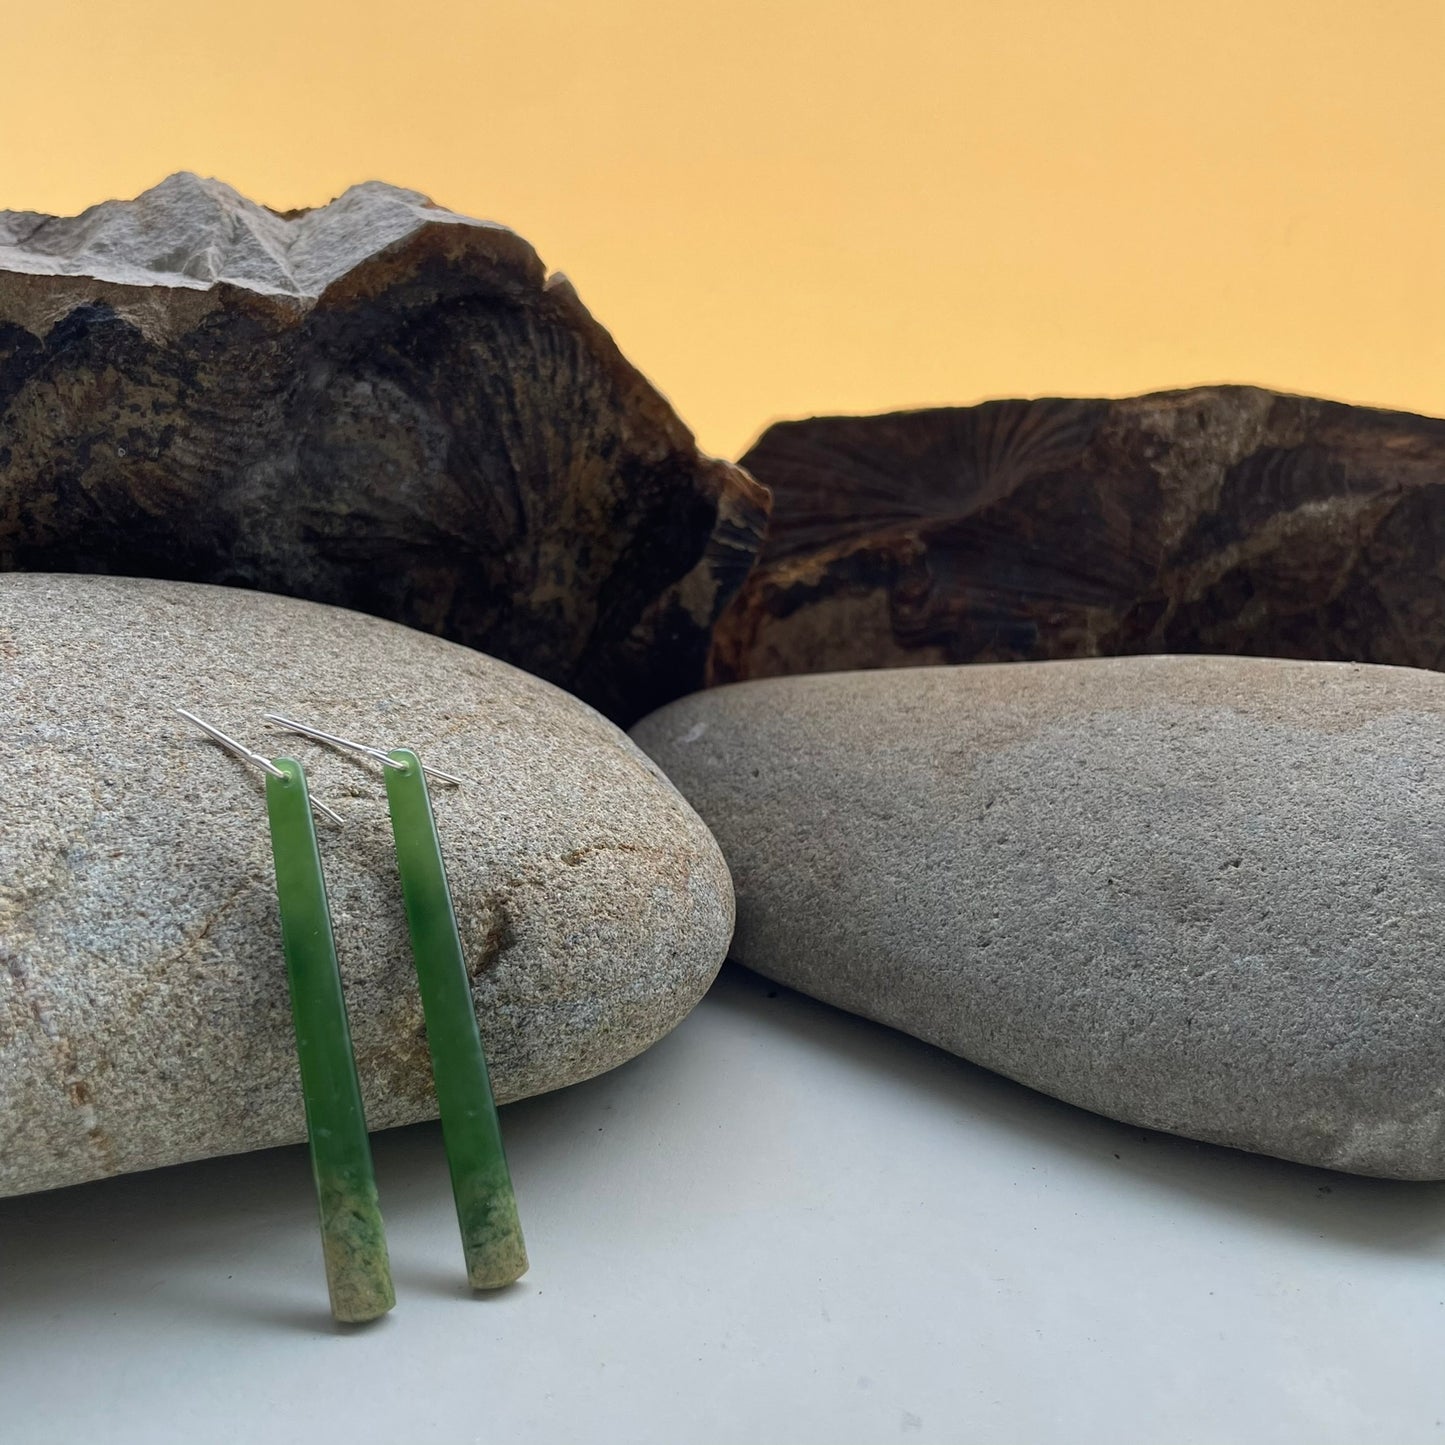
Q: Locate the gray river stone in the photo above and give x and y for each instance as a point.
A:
(1205, 895)
(144, 1015)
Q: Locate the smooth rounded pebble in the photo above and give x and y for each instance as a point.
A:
(1202, 894)
(144, 1014)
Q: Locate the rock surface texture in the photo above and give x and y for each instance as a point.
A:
(1201, 894)
(378, 404)
(144, 1014)
(1221, 519)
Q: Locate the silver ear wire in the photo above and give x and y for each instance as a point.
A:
(291, 725)
(255, 759)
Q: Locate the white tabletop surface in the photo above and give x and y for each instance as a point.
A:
(780, 1225)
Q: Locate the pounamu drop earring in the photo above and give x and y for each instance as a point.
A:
(358, 1271)
(481, 1182)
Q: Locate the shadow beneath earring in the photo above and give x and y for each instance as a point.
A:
(228, 1240)
(1382, 1215)
(428, 1280)
(442, 1285)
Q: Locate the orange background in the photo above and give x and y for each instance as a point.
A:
(791, 206)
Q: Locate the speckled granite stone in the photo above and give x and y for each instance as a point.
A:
(1205, 895)
(144, 1017)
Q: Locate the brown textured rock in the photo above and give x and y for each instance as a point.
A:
(1220, 519)
(378, 404)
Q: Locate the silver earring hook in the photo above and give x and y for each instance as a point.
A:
(255, 759)
(291, 725)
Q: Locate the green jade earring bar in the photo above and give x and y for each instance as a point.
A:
(358, 1271)
(492, 1243)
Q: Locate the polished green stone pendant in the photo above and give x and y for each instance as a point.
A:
(486, 1205)
(358, 1272)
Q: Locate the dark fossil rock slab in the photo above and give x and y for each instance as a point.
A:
(378, 404)
(1214, 520)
